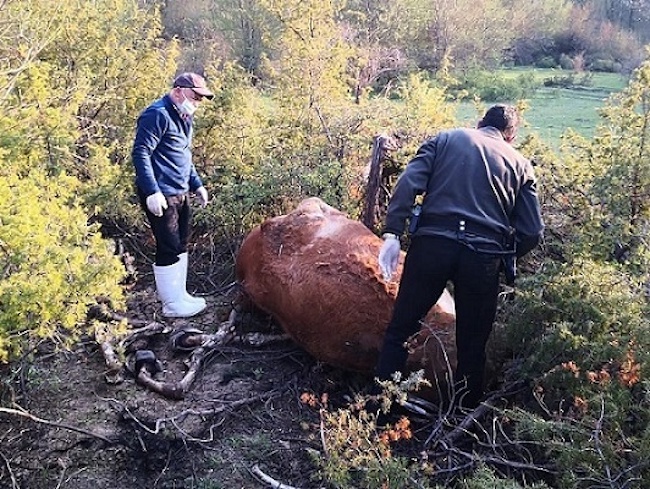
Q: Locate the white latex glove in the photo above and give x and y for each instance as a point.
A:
(156, 203)
(202, 194)
(389, 255)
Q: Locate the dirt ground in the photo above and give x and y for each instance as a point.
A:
(82, 430)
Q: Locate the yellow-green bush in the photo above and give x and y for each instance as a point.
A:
(53, 263)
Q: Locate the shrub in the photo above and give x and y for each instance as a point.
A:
(492, 87)
(566, 62)
(569, 80)
(358, 452)
(54, 264)
(606, 65)
(486, 478)
(546, 62)
(581, 332)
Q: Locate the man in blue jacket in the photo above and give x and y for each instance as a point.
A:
(165, 178)
(480, 210)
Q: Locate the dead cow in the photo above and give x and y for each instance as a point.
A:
(315, 271)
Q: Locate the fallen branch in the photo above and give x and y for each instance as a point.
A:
(479, 413)
(150, 329)
(14, 482)
(102, 313)
(178, 390)
(322, 433)
(483, 458)
(25, 414)
(463, 427)
(159, 424)
(268, 479)
(112, 359)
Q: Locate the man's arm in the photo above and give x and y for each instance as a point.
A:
(195, 180)
(413, 180)
(527, 219)
(150, 128)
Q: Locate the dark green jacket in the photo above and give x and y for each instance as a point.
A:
(475, 177)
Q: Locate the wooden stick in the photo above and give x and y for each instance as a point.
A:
(274, 484)
(30, 416)
(14, 482)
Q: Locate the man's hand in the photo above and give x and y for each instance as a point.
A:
(389, 255)
(156, 203)
(202, 194)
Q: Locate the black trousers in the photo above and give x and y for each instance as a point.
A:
(170, 230)
(430, 263)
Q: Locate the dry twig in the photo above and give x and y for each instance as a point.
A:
(26, 414)
(174, 421)
(274, 484)
(14, 482)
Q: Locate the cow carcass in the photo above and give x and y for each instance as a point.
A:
(316, 272)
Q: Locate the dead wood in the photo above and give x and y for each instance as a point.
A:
(25, 414)
(273, 483)
(207, 342)
(370, 214)
(174, 421)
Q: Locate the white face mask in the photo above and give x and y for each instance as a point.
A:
(187, 107)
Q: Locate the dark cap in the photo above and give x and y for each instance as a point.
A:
(195, 82)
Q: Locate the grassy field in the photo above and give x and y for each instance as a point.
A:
(553, 110)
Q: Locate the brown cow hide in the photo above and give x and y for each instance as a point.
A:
(316, 272)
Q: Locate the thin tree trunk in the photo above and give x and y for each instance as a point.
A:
(370, 214)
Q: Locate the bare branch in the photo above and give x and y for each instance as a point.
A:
(26, 414)
(14, 482)
(174, 421)
(268, 479)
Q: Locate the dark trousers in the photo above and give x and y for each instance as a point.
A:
(430, 263)
(170, 230)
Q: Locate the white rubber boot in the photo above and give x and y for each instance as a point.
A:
(171, 288)
(188, 298)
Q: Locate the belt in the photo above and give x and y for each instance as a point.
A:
(463, 225)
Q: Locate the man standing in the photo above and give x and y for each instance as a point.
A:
(165, 177)
(480, 210)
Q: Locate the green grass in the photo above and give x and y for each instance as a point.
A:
(554, 110)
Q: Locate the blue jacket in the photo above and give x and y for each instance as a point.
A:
(162, 153)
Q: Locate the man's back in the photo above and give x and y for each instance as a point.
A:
(476, 175)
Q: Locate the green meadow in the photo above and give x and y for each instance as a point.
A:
(553, 110)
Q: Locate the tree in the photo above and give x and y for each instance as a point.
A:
(71, 92)
(620, 155)
(250, 31)
(471, 33)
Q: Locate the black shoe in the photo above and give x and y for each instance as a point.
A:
(394, 414)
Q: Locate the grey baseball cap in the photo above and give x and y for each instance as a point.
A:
(195, 82)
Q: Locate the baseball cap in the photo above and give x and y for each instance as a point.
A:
(195, 82)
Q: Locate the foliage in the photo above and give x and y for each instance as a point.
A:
(294, 117)
(78, 90)
(265, 156)
(393, 39)
(613, 177)
(358, 452)
(581, 325)
(601, 43)
(491, 87)
(486, 478)
(54, 263)
(580, 330)
(569, 80)
(71, 86)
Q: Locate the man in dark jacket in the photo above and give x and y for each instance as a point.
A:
(165, 177)
(480, 209)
